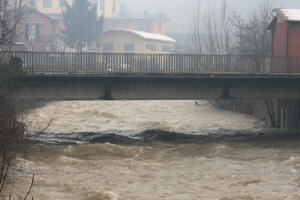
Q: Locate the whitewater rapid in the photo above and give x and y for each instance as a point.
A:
(155, 150)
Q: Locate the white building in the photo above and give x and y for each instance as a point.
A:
(131, 41)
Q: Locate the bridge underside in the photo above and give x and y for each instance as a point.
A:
(147, 87)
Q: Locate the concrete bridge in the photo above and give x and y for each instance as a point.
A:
(126, 76)
(112, 76)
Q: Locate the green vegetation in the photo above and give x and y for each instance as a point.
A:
(82, 24)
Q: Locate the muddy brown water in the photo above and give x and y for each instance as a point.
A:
(155, 150)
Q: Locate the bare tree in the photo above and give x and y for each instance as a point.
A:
(251, 36)
(11, 131)
(230, 33)
(11, 13)
(212, 31)
(197, 45)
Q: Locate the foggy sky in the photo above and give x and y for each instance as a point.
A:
(181, 12)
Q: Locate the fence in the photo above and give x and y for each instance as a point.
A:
(102, 63)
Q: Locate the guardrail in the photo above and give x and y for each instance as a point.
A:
(100, 63)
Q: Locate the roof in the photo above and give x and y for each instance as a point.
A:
(292, 15)
(27, 10)
(137, 19)
(145, 35)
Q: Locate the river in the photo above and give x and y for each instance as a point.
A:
(155, 150)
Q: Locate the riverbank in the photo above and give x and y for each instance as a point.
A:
(11, 131)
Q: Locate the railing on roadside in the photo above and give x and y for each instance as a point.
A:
(104, 63)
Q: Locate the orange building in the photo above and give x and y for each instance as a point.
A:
(38, 31)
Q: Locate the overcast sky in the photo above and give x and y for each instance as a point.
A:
(181, 12)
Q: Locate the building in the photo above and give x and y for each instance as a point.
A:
(285, 29)
(38, 31)
(107, 8)
(131, 41)
(52, 11)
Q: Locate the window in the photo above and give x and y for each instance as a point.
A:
(62, 3)
(108, 46)
(32, 33)
(128, 47)
(101, 4)
(47, 3)
(151, 47)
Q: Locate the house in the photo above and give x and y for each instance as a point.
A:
(38, 31)
(285, 29)
(131, 41)
(52, 12)
(107, 8)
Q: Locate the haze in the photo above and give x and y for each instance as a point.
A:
(180, 12)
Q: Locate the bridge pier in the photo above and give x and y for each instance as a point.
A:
(289, 113)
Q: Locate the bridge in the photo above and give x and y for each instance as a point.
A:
(131, 76)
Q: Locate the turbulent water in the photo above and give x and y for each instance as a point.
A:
(155, 150)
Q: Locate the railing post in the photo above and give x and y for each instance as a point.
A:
(32, 63)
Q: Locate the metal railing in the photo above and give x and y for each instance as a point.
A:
(104, 63)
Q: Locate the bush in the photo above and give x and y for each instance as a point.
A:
(11, 131)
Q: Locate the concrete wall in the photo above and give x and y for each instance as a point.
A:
(290, 114)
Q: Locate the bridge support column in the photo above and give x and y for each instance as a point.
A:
(290, 114)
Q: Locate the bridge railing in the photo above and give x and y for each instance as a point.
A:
(100, 63)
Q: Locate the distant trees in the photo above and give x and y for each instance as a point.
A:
(212, 33)
(11, 13)
(82, 24)
(251, 36)
(230, 33)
